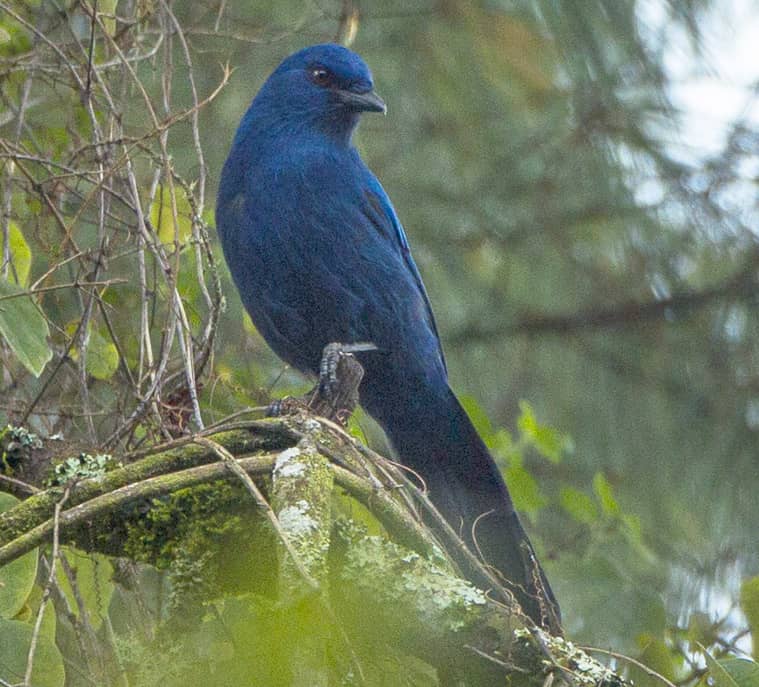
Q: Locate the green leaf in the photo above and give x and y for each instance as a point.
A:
(507, 453)
(108, 7)
(17, 577)
(23, 328)
(656, 655)
(162, 217)
(733, 672)
(750, 606)
(580, 506)
(502, 444)
(603, 491)
(743, 671)
(548, 442)
(102, 356)
(93, 574)
(478, 416)
(527, 421)
(247, 324)
(32, 607)
(21, 256)
(356, 426)
(701, 629)
(14, 648)
(524, 490)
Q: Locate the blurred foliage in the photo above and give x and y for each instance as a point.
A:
(578, 254)
(16, 578)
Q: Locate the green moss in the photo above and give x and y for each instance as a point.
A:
(210, 538)
(40, 507)
(169, 523)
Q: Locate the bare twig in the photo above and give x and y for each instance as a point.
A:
(628, 659)
(46, 591)
(234, 467)
(17, 486)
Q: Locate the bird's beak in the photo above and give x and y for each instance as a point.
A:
(363, 102)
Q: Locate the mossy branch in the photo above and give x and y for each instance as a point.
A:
(169, 469)
(245, 438)
(407, 583)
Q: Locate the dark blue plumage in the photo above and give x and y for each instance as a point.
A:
(319, 256)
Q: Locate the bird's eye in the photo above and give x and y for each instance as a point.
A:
(321, 76)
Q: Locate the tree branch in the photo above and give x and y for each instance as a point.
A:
(742, 285)
(406, 583)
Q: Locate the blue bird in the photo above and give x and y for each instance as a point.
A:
(319, 256)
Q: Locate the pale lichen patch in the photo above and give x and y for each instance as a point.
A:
(301, 497)
(436, 594)
(296, 521)
(311, 425)
(286, 464)
(584, 669)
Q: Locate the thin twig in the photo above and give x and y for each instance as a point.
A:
(231, 462)
(17, 486)
(58, 287)
(46, 591)
(492, 659)
(628, 659)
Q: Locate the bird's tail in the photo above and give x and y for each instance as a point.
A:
(438, 441)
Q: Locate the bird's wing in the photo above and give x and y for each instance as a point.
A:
(381, 213)
(265, 285)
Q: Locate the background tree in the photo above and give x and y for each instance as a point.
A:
(593, 267)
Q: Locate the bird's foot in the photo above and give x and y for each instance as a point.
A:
(335, 396)
(340, 374)
(333, 370)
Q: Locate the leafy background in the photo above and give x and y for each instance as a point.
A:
(593, 269)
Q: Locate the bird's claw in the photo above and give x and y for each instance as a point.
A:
(331, 356)
(336, 394)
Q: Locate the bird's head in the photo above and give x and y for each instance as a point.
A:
(323, 86)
